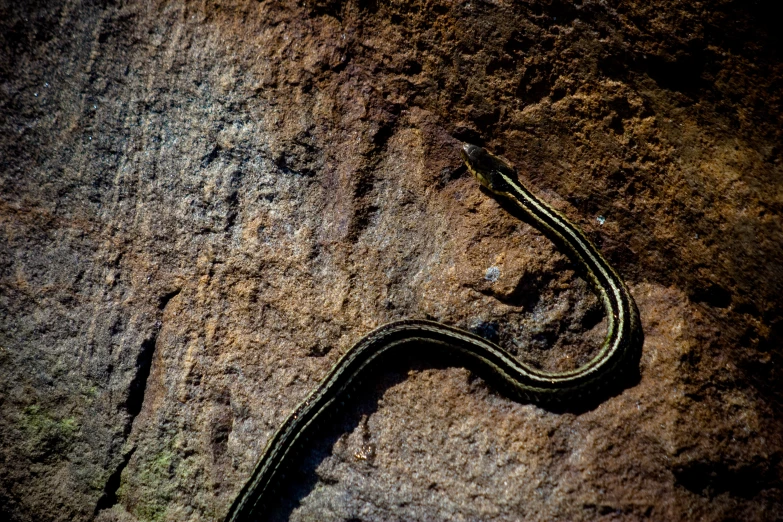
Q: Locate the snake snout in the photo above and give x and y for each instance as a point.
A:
(471, 152)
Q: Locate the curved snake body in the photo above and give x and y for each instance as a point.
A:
(618, 349)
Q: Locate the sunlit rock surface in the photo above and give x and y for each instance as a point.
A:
(204, 204)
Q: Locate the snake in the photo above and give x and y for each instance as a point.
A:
(618, 351)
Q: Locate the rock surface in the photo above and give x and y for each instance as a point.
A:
(204, 204)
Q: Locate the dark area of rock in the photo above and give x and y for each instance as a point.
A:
(204, 204)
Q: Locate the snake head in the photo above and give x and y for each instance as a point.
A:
(490, 170)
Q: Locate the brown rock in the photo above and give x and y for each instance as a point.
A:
(203, 205)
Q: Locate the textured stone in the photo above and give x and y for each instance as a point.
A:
(204, 204)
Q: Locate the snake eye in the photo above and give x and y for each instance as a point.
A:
(481, 159)
(490, 170)
(471, 152)
(475, 158)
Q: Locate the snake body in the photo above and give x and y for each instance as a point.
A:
(617, 351)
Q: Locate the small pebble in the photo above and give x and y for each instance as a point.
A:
(492, 274)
